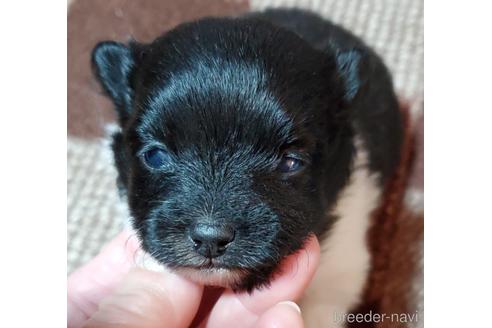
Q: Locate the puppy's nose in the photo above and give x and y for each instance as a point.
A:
(211, 240)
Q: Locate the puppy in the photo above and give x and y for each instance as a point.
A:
(242, 136)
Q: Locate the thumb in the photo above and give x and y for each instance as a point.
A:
(284, 314)
(149, 299)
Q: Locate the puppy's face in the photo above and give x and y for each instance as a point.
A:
(233, 145)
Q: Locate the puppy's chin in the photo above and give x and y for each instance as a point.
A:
(219, 277)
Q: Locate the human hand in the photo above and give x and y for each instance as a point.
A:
(110, 291)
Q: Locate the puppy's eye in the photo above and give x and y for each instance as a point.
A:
(156, 158)
(290, 164)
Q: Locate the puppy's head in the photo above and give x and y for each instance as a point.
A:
(234, 143)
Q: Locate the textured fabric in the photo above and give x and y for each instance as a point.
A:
(92, 21)
(394, 241)
(94, 213)
(394, 28)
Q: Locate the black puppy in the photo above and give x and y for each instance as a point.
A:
(239, 135)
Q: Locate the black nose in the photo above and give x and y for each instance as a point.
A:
(211, 240)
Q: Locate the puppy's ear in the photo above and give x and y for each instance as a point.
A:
(348, 65)
(113, 64)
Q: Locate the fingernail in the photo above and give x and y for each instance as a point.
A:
(291, 304)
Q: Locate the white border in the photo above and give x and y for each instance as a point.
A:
(458, 157)
(458, 60)
(33, 163)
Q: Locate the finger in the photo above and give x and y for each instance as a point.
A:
(282, 315)
(95, 280)
(296, 271)
(149, 299)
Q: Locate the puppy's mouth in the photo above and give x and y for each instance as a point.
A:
(208, 273)
(211, 275)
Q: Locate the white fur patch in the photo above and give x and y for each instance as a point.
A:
(345, 258)
(212, 277)
(209, 277)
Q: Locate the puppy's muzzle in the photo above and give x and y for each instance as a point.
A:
(211, 240)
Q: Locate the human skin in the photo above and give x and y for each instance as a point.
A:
(111, 291)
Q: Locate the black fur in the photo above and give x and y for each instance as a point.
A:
(226, 98)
